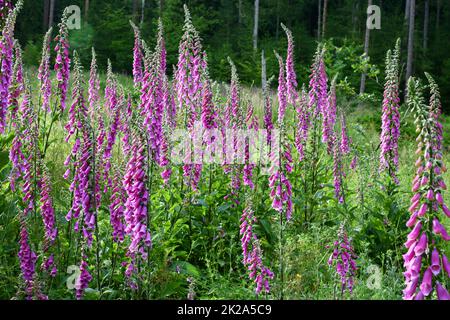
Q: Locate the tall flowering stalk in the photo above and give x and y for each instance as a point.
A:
(303, 124)
(188, 88)
(17, 84)
(345, 143)
(136, 213)
(81, 162)
(281, 167)
(252, 127)
(281, 188)
(27, 259)
(318, 94)
(338, 169)
(7, 63)
(137, 57)
(62, 64)
(98, 126)
(390, 127)
(291, 77)
(344, 260)
(251, 251)
(427, 267)
(234, 147)
(44, 72)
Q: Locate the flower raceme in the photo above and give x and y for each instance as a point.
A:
(344, 260)
(7, 63)
(390, 127)
(62, 64)
(252, 253)
(425, 262)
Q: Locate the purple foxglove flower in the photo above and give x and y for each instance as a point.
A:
(412, 220)
(442, 293)
(423, 209)
(439, 198)
(426, 286)
(446, 210)
(430, 195)
(422, 245)
(435, 262)
(411, 287)
(439, 229)
(414, 234)
(446, 265)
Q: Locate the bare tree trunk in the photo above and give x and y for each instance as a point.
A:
(324, 18)
(263, 72)
(426, 20)
(409, 64)
(407, 6)
(86, 10)
(142, 11)
(51, 13)
(319, 20)
(45, 17)
(255, 26)
(362, 87)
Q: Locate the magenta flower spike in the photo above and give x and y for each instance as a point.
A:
(390, 128)
(137, 57)
(291, 77)
(427, 201)
(7, 63)
(18, 83)
(62, 64)
(44, 72)
(252, 252)
(344, 259)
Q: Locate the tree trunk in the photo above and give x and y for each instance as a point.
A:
(263, 72)
(255, 26)
(51, 13)
(407, 6)
(426, 21)
(362, 87)
(324, 18)
(142, 11)
(409, 64)
(319, 20)
(45, 17)
(86, 10)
